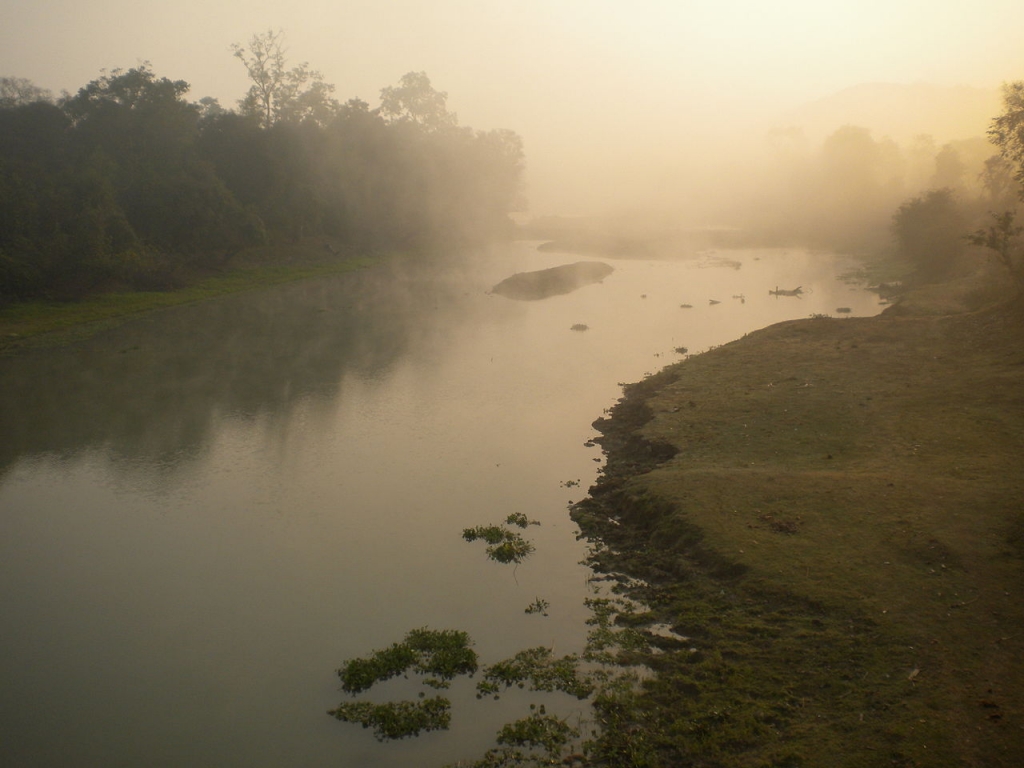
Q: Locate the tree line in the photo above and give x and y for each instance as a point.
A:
(129, 184)
(863, 194)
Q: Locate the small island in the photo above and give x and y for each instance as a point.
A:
(543, 283)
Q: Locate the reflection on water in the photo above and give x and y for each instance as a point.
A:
(205, 511)
(154, 389)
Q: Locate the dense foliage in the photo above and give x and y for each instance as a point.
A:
(929, 231)
(1007, 131)
(129, 184)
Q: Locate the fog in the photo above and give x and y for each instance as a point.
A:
(651, 105)
(212, 506)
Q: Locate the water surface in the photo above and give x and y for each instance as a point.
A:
(204, 512)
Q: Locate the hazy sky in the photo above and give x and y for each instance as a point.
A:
(597, 88)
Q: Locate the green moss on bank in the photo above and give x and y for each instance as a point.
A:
(35, 324)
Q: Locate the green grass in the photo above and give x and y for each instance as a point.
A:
(50, 323)
(828, 512)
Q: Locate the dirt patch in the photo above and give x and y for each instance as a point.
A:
(830, 510)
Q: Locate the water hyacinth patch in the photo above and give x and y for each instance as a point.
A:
(358, 675)
(503, 545)
(536, 740)
(520, 520)
(538, 731)
(540, 605)
(443, 654)
(537, 668)
(397, 719)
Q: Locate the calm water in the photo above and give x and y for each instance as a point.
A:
(205, 512)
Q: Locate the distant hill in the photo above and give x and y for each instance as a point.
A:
(900, 111)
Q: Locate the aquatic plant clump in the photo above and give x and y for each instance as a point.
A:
(397, 719)
(444, 654)
(607, 641)
(540, 605)
(504, 546)
(513, 550)
(537, 740)
(538, 668)
(358, 675)
(492, 534)
(520, 520)
(538, 730)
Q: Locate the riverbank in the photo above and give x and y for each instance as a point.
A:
(827, 513)
(34, 324)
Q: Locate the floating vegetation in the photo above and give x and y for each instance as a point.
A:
(397, 719)
(447, 654)
(443, 654)
(503, 545)
(538, 731)
(682, 351)
(538, 606)
(537, 668)
(619, 645)
(608, 634)
(358, 675)
(579, 327)
(539, 739)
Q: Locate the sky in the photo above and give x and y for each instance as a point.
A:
(613, 99)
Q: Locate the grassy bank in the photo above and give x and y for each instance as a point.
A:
(34, 324)
(829, 511)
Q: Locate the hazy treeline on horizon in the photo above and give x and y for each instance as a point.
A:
(129, 184)
(844, 192)
(848, 188)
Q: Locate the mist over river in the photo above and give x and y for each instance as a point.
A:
(205, 511)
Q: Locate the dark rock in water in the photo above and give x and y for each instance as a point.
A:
(552, 282)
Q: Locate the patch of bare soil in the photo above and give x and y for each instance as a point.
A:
(831, 512)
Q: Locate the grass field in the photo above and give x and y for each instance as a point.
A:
(831, 512)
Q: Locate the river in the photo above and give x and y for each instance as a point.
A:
(205, 511)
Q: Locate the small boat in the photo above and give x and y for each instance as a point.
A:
(784, 292)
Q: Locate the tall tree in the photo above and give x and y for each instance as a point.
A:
(929, 232)
(17, 91)
(1002, 236)
(415, 101)
(278, 93)
(999, 188)
(134, 116)
(1007, 130)
(949, 169)
(147, 134)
